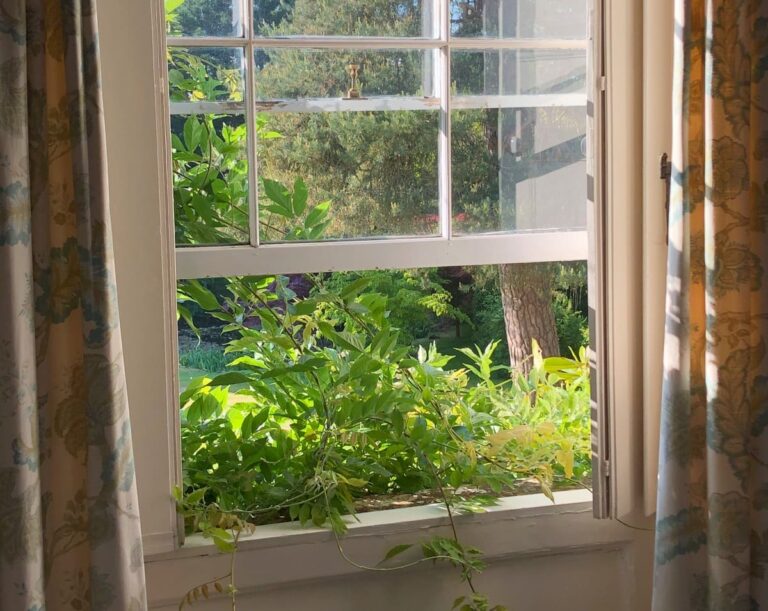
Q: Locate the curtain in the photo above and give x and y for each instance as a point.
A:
(69, 527)
(712, 514)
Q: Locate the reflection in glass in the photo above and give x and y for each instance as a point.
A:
(517, 169)
(527, 72)
(564, 19)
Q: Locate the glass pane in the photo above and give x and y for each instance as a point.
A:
(563, 19)
(396, 18)
(210, 179)
(204, 17)
(519, 140)
(315, 73)
(345, 370)
(206, 74)
(524, 72)
(375, 174)
(517, 169)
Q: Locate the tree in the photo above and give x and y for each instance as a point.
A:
(526, 294)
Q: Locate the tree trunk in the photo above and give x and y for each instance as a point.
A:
(526, 295)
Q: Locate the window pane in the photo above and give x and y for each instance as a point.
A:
(206, 74)
(347, 370)
(524, 72)
(517, 169)
(366, 174)
(518, 140)
(210, 179)
(204, 17)
(563, 19)
(397, 18)
(315, 73)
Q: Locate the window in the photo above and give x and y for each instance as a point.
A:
(456, 128)
(314, 140)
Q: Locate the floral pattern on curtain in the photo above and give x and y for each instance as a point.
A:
(712, 516)
(69, 526)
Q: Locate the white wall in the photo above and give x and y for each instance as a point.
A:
(540, 558)
(134, 182)
(604, 568)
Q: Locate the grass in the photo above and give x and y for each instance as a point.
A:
(205, 357)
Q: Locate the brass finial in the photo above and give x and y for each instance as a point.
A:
(353, 93)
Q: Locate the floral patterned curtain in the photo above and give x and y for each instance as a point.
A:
(712, 515)
(69, 526)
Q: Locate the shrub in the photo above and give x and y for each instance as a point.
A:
(330, 406)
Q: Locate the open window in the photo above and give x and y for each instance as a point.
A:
(356, 176)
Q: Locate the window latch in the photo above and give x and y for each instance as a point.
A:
(665, 174)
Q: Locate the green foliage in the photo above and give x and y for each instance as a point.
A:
(210, 186)
(417, 301)
(330, 405)
(572, 325)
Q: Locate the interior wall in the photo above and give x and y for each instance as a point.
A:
(578, 580)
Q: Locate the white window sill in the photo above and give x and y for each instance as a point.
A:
(287, 554)
(389, 522)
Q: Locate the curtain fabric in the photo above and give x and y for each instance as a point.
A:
(69, 527)
(712, 514)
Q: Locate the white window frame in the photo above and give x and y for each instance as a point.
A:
(444, 249)
(135, 101)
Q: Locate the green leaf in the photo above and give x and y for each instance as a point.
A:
(278, 193)
(397, 550)
(300, 195)
(192, 133)
(259, 419)
(200, 295)
(304, 513)
(318, 515)
(172, 5)
(317, 214)
(230, 378)
(458, 601)
(308, 365)
(330, 333)
(195, 497)
(192, 389)
(354, 288)
(183, 312)
(277, 209)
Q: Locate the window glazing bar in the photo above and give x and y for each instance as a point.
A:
(483, 44)
(377, 42)
(252, 135)
(443, 82)
(388, 253)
